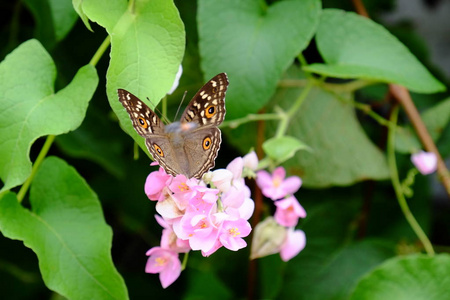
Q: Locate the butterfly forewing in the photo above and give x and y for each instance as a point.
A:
(207, 107)
(144, 120)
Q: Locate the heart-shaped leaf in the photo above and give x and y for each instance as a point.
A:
(29, 108)
(356, 47)
(147, 45)
(411, 277)
(254, 49)
(282, 148)
(67, 231)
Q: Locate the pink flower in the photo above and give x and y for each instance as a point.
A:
(294, 243)
(275, 186)
(232, 233)
(236, 166)
(251, 161)
(425, 162)
(289, 211)
(166, 263)
(200, 230)
(155, 184)
(169, 240)
(221, 179)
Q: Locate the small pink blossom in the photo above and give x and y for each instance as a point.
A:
(155, 184)
(275, 186)
(236, 166)
(232, 233)
(221, 179)
(251, 161)
(166, 263)
(289, 211)
(294, 243)
(169, 240)
(425, 162)
(200, 230)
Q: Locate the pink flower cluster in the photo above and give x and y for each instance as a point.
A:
(278, 234)
(200, 215)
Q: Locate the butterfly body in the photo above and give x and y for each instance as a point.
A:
(189, 146)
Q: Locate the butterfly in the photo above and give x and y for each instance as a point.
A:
(190, 146)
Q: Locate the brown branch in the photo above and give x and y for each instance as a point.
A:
(404, 98)
(360, 8)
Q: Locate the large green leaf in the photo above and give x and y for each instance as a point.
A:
(67, 231)
(29, 108)
(342, 154)
(147, 45)
(340, 151)
(356, 47)
(254, 49)
(412, 277)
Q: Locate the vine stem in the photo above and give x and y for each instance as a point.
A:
(250, 118)
(398, 188)
(23, 190)
(286, 118)
(99, 53)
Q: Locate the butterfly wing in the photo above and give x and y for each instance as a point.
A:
(200, 150)
(148, 125)
(145, 121)
(207, 107)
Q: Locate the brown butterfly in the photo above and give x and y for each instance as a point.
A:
(189, 146)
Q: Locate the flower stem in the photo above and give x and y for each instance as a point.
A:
(284, 122)
(99, 53)
(185, 259)
(23, 190)
(250, 118)
(398, 188)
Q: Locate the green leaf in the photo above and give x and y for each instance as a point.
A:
(147, 46)
(98, 141)
(435, 118)
(67, 231)
(282, 148)
(54, 19)
(78, 6)
(411, 277)
(342, 154)
(29, 108)
(338, 273)
(254, 50)
(356, 47)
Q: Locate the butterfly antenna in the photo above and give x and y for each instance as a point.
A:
(181, 103)
(156, 109)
